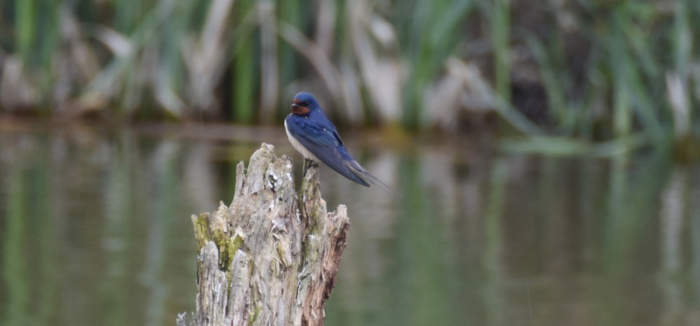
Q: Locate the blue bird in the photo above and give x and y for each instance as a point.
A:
(316, 138)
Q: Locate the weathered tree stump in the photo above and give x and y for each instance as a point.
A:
(263, 260)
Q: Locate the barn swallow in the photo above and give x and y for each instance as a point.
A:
(317, 139)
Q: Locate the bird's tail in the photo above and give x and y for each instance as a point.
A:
(367, 177)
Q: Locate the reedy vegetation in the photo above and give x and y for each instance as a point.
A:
(626, 72)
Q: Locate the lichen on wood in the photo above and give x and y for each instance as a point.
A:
(271, 257)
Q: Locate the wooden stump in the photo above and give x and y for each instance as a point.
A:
(263, 260)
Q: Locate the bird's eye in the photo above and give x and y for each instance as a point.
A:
(304, 104)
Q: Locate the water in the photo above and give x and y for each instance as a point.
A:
(95, 230)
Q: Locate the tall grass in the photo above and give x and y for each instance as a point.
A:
(609, 70)
(244, 76)
(25, 15)
(616, 85)
(500, 30)
(430, 36)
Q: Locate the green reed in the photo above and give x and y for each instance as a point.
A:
(609, 70)
(619, 89)
(244, 79)
(25, 22)
(289, 11)
(430, 33)
(500, 30)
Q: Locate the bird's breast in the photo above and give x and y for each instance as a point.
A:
(299, 146)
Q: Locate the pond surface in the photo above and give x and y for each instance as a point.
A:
(95, 230)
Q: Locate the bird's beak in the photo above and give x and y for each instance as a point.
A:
(299, 109)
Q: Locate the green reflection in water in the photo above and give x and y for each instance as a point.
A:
(493, 289)
(693, 208)
(164, 209)
(45, 223)
(118, 208)
(418, 280)
(29, 264)
(15, 262)
(97, 232)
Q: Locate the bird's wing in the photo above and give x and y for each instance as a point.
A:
(326, 145)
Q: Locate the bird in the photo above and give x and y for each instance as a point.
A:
(317, 139)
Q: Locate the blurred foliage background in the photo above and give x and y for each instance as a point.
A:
(101, 210)
(568, 73)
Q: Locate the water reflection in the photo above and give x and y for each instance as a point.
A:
(94, 230)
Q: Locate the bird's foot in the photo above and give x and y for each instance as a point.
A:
(308, 164)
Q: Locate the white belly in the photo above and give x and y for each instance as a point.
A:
(298, 146)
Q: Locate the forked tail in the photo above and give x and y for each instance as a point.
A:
(365, 176)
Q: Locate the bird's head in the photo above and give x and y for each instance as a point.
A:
(303, 104)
